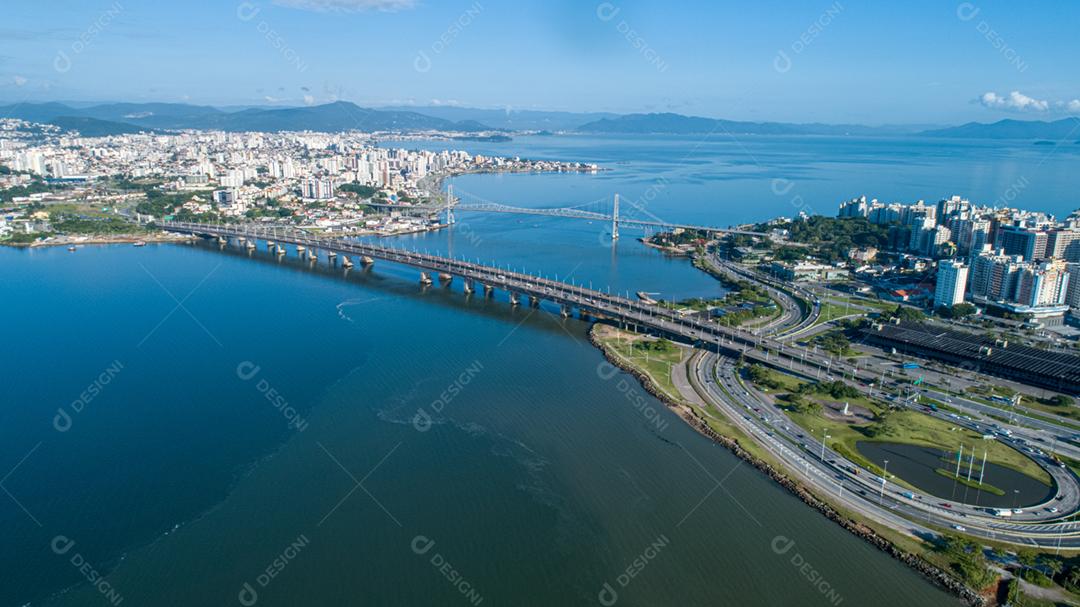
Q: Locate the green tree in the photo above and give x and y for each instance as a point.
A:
(906, 313)
(1072, 579)
(1060, 400)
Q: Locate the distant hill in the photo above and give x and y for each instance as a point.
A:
(331, 117)
(92, 127)
(678, 124)
(154, 115)
(1066, 128)
(510, 119)
(338, 116)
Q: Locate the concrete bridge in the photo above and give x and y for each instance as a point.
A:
(570, 297)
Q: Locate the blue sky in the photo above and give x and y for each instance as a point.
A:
(829, 60)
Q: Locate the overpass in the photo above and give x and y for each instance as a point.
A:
(733, 342)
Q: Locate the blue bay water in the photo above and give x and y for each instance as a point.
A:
(721, 179)
(539, 479)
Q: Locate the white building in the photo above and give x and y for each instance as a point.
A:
(318, 189)
(951, 280)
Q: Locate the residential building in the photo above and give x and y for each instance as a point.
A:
(952, 278)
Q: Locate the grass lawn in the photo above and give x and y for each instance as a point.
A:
(641, 352)
(877, 304)
(631, 347)
(831, 311)
(904, 426)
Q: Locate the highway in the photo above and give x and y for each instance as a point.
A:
(834, 476)
(793, 298)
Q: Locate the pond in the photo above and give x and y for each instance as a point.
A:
(919, 465)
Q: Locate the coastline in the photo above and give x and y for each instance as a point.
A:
(673, 251)
(931, 572)
(435, 184)
(67, 241)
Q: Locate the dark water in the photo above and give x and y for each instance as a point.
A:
(917, 465)
(539, 478)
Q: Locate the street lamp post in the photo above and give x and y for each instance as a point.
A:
(823, 437)
(884, 474)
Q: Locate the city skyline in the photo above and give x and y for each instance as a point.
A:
(834, 62)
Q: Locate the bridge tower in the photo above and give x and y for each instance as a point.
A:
(450, 205)
(615, 219)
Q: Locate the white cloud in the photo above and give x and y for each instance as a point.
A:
(1073, 106)
(21, 80)
(348, 6)
(309, 100)
(1015, 101)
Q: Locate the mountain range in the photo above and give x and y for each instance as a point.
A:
(121, 118)
(1058, 130)
(339, 116)
(678, 124)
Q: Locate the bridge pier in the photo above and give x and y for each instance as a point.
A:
(534, 301)
(425, 279)
(250, 246)
(445, 279)
(566, 311)
(515, 299)
(345, 262)
(366, 261)
(269, 245)
(280, 250)
(330, 255)
(488, 290)
(469, 286)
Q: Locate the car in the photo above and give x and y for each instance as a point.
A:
(1052, 510)
(959, 527)
(946, 505)
(1017, 510)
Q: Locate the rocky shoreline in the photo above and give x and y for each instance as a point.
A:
(930, 571)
